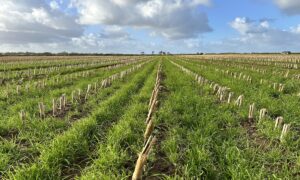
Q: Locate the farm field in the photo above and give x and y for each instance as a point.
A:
(150, 117)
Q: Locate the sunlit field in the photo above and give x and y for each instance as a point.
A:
(150, 117)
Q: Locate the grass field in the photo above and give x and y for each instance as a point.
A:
(150, 117)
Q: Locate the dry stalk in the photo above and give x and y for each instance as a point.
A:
(73, 97)
(54, 107)
(23, 116)
(79, 93)
(239, 101)
(95, 86)
(154, 99)
(87, 91)
(262, 113)
(152, 96)
(287, 74)
(274, 86)
(251, 111)
(18, 89)
(280, 87)
(261, 81)
(152, 109)
(278, 122)
(62, 102)
(215, 88)
(285, 129)
(141, 161)
(42, 109)
(149, 129)
(229, 97)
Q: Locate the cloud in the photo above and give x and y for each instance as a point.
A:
(296, 29)
(261, 36)
(246, 26)
(73, 25)
(37, 25)
(54, 5)
(87, 41)
(115, 32)
(173, 19)
(134, 25)
(290, 7)
(34, 21)
(110, 34)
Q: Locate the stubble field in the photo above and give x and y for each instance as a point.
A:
(150, 117)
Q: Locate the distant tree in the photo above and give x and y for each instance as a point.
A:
(64, 53)
(286, 52)
(47, 54)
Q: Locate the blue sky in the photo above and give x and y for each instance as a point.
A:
(220, 14)
(132, 26)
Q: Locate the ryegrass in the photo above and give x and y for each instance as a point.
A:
(35, 133)
(198, 137)
(117, 155)
(76, 141)
(211, 141)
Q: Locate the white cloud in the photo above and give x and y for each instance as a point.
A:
(261, 36)
(35, 25)
(193, 44)
(290, 7)
(33, 21)
(41, 16)
(246, 26)
(296, 29)
(54, 25)
(113, 34)
(200, 2)
(150, 9)
(54, 5)
(265, 24)
(87, 41)
(241, 24)
(173, 19)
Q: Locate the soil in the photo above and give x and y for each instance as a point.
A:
(162, 165)
(257, 140)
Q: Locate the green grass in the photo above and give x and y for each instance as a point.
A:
(198, 137)
(76, 142)
(116, 156)
(25, 145)
(212, 142)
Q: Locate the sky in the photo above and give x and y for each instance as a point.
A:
(133, 26)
